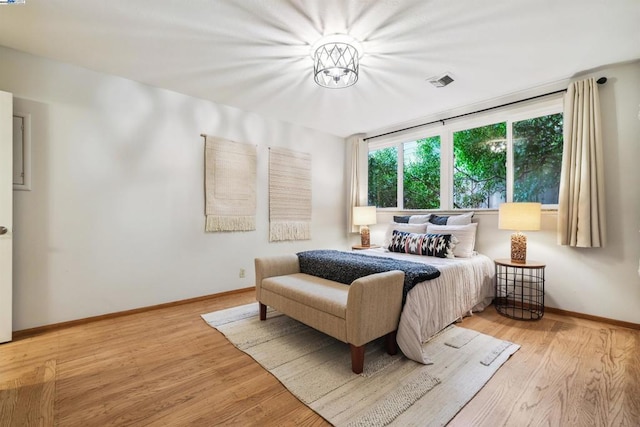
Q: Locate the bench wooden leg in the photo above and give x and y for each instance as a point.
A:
(357, 358)
(263, 311)
(390, 343)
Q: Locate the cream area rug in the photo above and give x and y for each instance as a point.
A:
(392, 390)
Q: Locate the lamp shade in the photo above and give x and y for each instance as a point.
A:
(364, 215)
(519, 216)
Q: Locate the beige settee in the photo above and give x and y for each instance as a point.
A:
(355, 314)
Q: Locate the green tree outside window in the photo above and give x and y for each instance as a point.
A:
(479, 167)
(537, 159)
(383, 178)
(422, 174)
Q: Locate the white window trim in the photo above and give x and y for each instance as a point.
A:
(400, 173)
(446, 129)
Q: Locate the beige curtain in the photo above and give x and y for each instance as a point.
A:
(581, 205)
(358, 178)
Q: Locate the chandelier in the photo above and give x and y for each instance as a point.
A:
(336, 61)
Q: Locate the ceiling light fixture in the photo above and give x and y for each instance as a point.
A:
(336, 61)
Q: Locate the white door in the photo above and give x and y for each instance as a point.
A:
(6, 213)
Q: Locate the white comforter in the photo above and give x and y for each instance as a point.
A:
(464, 285)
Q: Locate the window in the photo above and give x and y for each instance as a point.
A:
(475, 163)
(383, 177)
(421, 186)
(537, 159)
(480, 167)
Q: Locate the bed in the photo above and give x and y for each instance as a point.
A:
(464, 285)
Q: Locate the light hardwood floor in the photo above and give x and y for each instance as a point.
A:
(166, 367)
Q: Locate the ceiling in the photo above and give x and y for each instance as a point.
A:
(254, 54)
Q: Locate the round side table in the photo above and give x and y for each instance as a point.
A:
(360, 247)
(519, 289)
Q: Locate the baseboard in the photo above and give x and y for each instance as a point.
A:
(595, 318)
(46, 328)
(25, 333)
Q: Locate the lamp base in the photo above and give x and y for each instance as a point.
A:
(365, 237)
(518, 248)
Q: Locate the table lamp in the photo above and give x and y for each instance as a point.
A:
(519, 217)
(364, 216)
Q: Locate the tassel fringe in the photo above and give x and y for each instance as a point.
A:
(230, 223)
(289, 230)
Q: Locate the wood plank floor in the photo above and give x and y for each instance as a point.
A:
(166, 367)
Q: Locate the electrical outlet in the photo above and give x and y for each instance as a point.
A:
(242, 273)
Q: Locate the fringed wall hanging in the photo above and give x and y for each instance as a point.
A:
(289, 195)
(230, 185)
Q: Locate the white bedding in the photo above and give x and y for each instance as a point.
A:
(464, 285)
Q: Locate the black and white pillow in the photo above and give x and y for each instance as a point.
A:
(465, 235)
(409, 228)
(437, 245)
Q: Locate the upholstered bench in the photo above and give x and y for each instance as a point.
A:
(355, 314)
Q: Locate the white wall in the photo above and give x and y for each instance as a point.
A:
(599, 281)
(115, 218)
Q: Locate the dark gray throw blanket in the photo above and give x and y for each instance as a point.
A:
(345, 267)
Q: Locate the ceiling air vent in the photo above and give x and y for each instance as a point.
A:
(441, 81)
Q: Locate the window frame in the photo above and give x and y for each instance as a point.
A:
(446, 129)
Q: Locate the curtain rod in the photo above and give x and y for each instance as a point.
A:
(600, 81)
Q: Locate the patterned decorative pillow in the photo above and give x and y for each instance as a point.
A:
(466, 235)
(438, 245)
(409, 228)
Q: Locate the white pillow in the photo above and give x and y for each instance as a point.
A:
(409, 228)
(466, 235)
(463, 219)
(419, 219)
